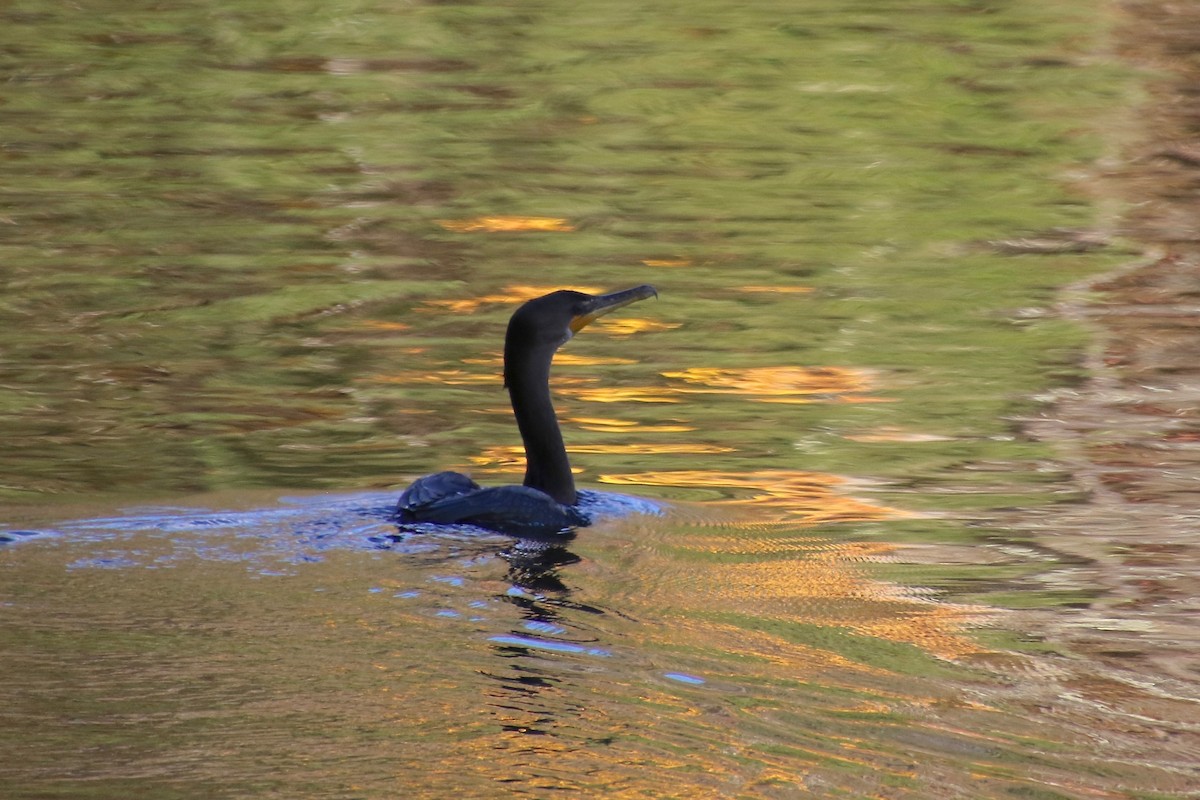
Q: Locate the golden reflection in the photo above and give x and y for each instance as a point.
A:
(502, 224)
(465, 306)
(896, 435)
(626, 326)
(651, 449)
(761, 645)
(774, 384)
(809, 496)
(505, 459)
(573, 360)
(511, 458)
(605, 425)
(933, 627)
(799, 385)
(756, 289)
(770, 567)
(458, 377)
(816, 582)
(385, 325)
(667, 262)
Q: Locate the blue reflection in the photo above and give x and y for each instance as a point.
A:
(297, 530)
(547, 644)
(683, 677)
(117, 562)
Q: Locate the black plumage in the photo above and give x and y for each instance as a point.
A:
(546, 502)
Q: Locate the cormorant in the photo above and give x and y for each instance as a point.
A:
(546, 503)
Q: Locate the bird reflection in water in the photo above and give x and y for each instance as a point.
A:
(542, 515)
(533, 572)
(527, 698)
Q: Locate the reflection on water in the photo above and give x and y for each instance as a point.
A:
(506, 224)
(311, 633)
(776, 384)
(627, 326)
(305, 645)
(774, 495)
(275, 244)
(623, 426)
(512, 459)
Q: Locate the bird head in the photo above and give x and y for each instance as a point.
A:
(542, 325)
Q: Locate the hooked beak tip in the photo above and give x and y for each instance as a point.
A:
(606, 303)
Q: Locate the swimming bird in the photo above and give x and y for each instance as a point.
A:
(546, 502)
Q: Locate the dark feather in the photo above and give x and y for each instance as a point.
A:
(515, 510)
(432, 488)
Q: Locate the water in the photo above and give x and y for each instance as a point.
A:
(258, 258)
(301, 650)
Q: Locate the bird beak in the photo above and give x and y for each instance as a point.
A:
(601, 304)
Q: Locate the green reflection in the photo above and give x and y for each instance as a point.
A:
(203, 210)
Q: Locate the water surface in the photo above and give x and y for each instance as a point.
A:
(258, 260)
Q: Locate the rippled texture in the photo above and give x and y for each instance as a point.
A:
(231, 232)
(304, 650)
(275, 244)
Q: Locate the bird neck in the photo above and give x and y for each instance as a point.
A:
(546, 465)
